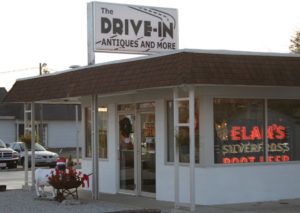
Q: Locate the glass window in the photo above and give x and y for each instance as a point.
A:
(283, 130)
(238, 128)
(170, 132)
(102, 130)
(88, 130)
(102, 119)
(183, 132)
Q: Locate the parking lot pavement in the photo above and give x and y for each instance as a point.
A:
(14, 179)
(16, 200)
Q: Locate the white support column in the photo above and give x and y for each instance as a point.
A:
(95, 149)
(94, 107)
(77, 135)
(190, 98)
(192, 147)
(32, 145)
(27, 129)
(90, 33)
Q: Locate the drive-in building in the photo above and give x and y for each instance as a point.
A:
(237, 112)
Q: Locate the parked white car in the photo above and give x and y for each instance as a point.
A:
(43, 157)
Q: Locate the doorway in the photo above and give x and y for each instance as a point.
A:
(137, 173)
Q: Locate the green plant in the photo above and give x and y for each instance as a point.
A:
(26, 139)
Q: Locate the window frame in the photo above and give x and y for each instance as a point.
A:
(169, 148)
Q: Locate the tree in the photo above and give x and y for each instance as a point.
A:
(295, 43)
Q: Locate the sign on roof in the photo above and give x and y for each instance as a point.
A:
(132, 28)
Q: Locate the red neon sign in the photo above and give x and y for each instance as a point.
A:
(275, 131)
(245, 144)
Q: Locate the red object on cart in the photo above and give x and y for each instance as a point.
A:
(61, 163)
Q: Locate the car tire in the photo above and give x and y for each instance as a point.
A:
(23, 165)
(22, 162)
(13, 166)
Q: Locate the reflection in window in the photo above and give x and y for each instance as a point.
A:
(238, 125)
(102, 127)
(283, 130)
(183, 110)
(183, 140)
(183, 132)
(88, 129)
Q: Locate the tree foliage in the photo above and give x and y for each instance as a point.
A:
(295, 43)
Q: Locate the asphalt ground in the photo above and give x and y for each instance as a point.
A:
(18, 200)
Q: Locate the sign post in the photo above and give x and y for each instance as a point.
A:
(133, 29)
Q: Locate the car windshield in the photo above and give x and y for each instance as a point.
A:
(37, 147)
(2, 144)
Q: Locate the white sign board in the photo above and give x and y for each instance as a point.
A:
(132, 28)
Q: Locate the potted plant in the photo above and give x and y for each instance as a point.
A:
(67, 181)
(26, 139)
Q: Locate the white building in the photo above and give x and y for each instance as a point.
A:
(58, 121)
(218, 105)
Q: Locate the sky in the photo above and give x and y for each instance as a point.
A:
(55, 31)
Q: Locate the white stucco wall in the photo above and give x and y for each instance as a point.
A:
(108, 168)
(62, 134)
(215, 184)
(7, 130)
(220, 184)
(240, 184)
(233, 184)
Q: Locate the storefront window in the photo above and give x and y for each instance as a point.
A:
(239, 126)
(88, 130)
(102, 125)
(170, 131)
(183, 132)
(102, 129)
(283, 130)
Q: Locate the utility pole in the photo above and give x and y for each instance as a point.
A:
(42, 70)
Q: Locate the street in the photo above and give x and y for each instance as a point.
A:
(14, 178)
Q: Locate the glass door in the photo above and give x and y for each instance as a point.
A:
(127, 153)
(147, 152)
(137, 149)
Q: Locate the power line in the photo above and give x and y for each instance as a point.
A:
(22, 70)
(19, 70)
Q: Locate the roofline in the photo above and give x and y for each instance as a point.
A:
(7, 117)
(118, 61)
(204, 51)
(135, 91)
(238, 52)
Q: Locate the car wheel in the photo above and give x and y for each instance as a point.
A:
(22, 162)
(13, 166)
